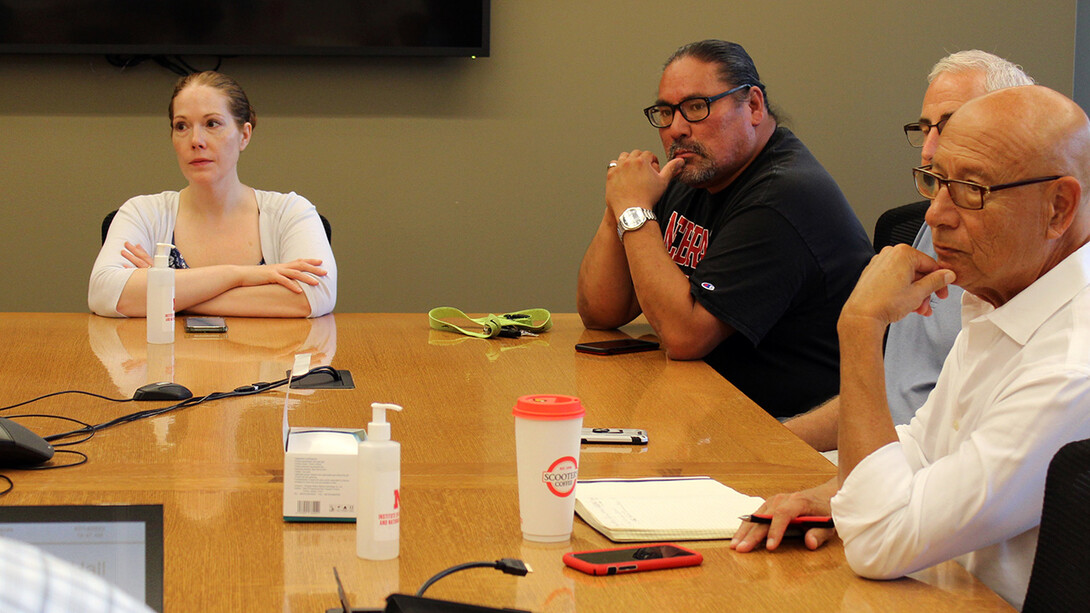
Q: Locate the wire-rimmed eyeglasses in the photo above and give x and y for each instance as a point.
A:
(692, 109)
(964, 194)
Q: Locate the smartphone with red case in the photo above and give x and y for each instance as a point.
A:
(632, 559)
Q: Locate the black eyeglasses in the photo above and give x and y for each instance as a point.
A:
(692, 109)
(964, 194)
(917, 132)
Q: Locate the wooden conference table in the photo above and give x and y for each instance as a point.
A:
(217, 468)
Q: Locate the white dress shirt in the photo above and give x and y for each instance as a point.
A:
(967, 476)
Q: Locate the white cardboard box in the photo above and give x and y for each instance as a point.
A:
(320, 480)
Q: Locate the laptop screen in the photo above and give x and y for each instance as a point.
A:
(122, 544)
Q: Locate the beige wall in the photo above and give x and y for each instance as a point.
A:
(477, 183)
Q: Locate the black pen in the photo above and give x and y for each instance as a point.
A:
(803, 521)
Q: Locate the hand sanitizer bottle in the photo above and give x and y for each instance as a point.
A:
(378, 508)
(160, 302)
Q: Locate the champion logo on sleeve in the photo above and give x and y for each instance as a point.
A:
(708, 286)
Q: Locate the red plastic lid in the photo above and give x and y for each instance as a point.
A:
(548, 407)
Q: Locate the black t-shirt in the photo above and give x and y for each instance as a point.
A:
(774, 255)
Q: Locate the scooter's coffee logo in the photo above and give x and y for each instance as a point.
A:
(560, 478)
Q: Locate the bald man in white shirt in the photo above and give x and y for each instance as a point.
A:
(1010, 218)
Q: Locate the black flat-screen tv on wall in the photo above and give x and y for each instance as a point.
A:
(246, 27)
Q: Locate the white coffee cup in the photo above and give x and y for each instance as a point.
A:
(547, 431)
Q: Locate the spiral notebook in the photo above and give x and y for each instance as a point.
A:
(662, 508)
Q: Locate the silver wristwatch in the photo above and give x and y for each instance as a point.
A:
(632, 219)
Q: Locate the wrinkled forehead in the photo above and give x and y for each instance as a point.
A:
(979, 145)
(689, 76)
(949, 91)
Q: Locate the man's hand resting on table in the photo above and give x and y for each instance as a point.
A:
(784, 508)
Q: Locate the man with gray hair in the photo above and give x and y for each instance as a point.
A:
(917, 346)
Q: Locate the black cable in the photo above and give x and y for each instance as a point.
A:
(65, 392)
(65, 418)
(509, 566)
(452, 570)
(184, 64)
(83, 460)
(125, 61)
(170, 65)
(180, 61)
(244, 390)
(83, 456)
(89, 430)
(176, 64)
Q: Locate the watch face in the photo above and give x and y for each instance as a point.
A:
(633, 218)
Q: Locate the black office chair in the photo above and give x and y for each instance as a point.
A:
(110, 219)
(1060, 580)
(106, 224)
(899, 224)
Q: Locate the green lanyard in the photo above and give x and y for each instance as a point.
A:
(510, 325)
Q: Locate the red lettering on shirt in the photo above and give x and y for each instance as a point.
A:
(686, 242)
(699, 246)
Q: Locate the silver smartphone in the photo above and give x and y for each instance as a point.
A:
(616, 436)
(205, 325)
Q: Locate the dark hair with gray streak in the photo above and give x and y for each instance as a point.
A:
(735, 65)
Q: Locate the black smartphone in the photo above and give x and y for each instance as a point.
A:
(624, 345)
(205, 324)
(632, 559)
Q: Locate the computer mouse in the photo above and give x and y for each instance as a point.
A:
(163, 390)
(19, 447)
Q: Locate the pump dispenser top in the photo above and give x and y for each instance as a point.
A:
(162, 254)
(379, 429)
